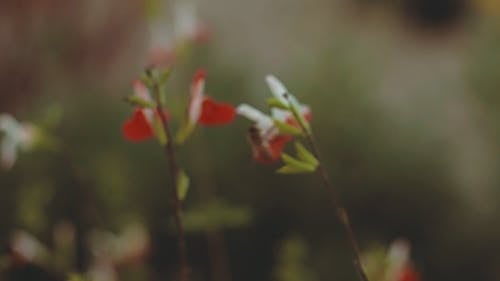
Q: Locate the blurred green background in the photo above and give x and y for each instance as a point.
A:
(405, 100)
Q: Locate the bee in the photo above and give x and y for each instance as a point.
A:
(266, 145)
(261, 149)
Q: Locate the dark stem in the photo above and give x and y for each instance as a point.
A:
(174, 176)
(339, 209)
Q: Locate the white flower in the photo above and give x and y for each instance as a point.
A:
(16, 136)
(27, 247)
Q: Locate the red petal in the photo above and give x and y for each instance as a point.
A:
(199, 75)
(277, 144)
(409, 274)
(273, 152)
(214, 113)
(291, 120)
(137, 128)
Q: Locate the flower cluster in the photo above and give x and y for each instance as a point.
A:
(392, 264)
(270, 133)
(201, 109)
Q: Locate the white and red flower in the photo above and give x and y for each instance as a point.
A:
(265, 137)
(139, 126)
(203, 109)
(399, 265)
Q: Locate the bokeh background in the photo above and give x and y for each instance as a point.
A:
(405, 99)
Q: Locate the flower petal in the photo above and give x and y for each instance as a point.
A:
(137, 128)
(277, 144)
(141, 90)
(270, 152)
(214, 113)
(277, 88)
(196, 99)
(262, 121)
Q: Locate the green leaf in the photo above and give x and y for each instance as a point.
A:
(292, 170)
(184, 133)
(147, 79)
(138, 101)
(305, 155)
(286, 128)
(215, 214)
(159, 131)
(182, 185)
(163, 75)
(295, 165)
(274, 102)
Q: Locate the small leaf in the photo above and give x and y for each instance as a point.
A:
(286, 128)
(292, 170)
(305, 155)
(184, 133)
(182, 185)
(160, 133)
(138, 101)
(163, 75)
(147, 79)
(297, 164)
(274, 102)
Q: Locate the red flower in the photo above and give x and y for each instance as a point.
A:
(204, 110)
(137, 128)
(213, 113)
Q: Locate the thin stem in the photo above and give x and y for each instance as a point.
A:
(174, 176)
(339, 209)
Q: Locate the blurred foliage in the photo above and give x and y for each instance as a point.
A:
(398, 160)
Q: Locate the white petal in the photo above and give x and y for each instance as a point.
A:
(196, 100)
(27, 246)
(9, 125)
(185, 19)
(161, 34)
(277, 88)
(280, 114)
(262, 121)
(142, 91)
(8, 153)
(397, 258)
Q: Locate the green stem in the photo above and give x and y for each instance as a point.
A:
(174, 176)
